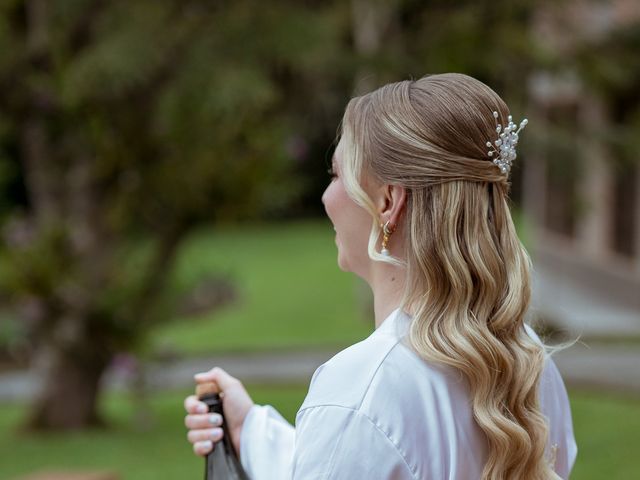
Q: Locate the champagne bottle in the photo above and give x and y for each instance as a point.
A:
(221, 463)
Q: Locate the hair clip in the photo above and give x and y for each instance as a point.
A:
(503, 150)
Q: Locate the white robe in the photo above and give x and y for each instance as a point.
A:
(377, 410)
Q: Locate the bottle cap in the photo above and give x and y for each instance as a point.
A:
(207, 388)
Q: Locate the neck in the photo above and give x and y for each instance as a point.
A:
(387, 283)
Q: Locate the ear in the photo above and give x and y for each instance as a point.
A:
(391, 202)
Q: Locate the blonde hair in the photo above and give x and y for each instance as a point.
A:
(467, 273)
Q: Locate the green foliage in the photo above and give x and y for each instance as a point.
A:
(488, 40)
(140, 120)
(610, 64)
(609, 67)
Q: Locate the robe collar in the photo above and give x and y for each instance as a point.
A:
(396, 324)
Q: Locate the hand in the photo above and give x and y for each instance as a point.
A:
(206, 428)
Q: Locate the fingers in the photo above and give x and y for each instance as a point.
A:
(203, 448)
(203, 425)
(200, 421)
(218, 375)
(193, 405)
(204, 430)
(201, 436)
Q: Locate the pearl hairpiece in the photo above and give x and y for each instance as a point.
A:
(504, 148)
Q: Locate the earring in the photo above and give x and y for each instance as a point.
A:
(387, 230)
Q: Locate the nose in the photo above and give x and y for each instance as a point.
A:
(323, 197)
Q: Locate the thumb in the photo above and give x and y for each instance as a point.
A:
(216, 375)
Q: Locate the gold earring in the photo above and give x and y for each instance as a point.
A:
(386, 233)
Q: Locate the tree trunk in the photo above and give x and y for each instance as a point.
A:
(69, 393)
(39, 168)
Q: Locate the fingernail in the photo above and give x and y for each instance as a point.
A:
(215, 419)
(202, 408)
(206, 445)
(216, 434)
(198, 376)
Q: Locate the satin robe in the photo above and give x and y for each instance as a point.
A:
(377, 410)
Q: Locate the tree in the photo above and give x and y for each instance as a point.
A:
(130, 123)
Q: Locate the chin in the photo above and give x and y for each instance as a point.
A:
(342, 263)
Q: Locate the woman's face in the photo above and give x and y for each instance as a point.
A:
(351, 222)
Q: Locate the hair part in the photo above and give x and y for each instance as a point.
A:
(467, 273)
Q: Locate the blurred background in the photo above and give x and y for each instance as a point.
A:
(161, 167)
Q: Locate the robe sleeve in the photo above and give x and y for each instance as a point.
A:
(335, 442)
(266, 444)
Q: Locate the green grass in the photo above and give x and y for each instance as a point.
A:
(158, 452)
(291, 291)
(606, 428)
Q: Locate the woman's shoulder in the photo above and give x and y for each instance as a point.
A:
(380, 369)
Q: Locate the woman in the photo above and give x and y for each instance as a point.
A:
(452, 383)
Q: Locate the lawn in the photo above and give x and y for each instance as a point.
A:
(158, 451)
(291, 293)
(606, 428)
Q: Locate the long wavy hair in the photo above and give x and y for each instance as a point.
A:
(467, 273)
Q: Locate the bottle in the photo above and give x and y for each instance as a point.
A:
(221, 463)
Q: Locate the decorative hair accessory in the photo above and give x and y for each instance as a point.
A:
(386, 233)
(503, 150)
